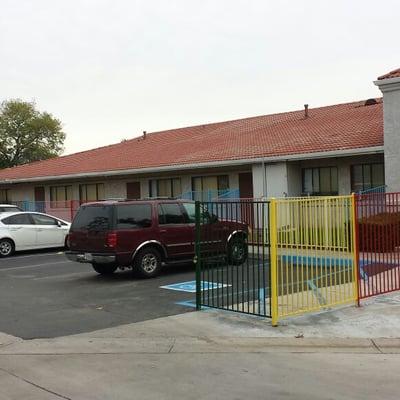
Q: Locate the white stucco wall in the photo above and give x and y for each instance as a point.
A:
(258, 180)
(276, 179)
(294, 178)
(391, 124)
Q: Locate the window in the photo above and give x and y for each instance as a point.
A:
(169, 213)
(170, 187)
(19, 219)
(206, 186)
(92, 218)
(320, 181)
(43, 220)
(190, 210)
(4, 196)
(205, 216)
(60, 195)
(133, 216)
(367, 176)
(91, 192)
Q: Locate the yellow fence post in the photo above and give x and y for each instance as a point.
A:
(355, 249)
(273, 251)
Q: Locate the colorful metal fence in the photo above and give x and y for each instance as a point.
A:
(378, 232)
(312, 254)
(232, 252)
(303, 254)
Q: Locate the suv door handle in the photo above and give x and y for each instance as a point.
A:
(163, 231)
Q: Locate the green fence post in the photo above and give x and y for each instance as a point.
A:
(197, 258)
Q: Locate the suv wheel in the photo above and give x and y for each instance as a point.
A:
(148, 262)
(6, 247)
(237, 250)
(104, 269)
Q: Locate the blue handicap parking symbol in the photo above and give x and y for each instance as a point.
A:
(190, 286)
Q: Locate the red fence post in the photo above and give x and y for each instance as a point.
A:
(356, 246)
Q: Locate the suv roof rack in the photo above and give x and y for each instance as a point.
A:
(160, 198)
(121, 199)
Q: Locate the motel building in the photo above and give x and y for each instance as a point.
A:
(333, 150)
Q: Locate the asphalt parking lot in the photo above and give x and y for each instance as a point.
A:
(43, 295)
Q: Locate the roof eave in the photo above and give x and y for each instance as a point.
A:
(388, 84)
(212, 164)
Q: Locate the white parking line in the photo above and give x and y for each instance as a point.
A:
(33, 266)
(17, 257)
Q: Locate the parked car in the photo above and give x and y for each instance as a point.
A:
(143, 234)
(8, 208)
(30, 230)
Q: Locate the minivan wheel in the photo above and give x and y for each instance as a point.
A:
(147, 263)
(6, 247)
(104, 269)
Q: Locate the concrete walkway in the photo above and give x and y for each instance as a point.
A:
(347, 353)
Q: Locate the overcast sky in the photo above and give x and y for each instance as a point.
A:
(111, 69)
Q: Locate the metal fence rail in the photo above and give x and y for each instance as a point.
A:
(312, 254)
(378, 232)
(61, 209)
(232, 250)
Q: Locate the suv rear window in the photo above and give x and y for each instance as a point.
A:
(132, 216)
(92, 218)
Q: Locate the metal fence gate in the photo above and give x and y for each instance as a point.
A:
(378, 232)
(232, 255)
(313, 261)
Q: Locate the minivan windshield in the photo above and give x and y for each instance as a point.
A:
(92, 218)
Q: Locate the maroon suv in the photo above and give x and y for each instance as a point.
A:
(143, 234)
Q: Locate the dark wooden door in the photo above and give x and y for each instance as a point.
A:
(133, 190)
(246, 192)
(39, 199)
(246, 185)
(39, 193)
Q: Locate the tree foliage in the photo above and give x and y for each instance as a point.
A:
(27, 134)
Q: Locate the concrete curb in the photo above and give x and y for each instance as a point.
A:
(190, 344)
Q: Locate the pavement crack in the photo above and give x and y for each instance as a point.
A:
(35, 384)
(376, 346)
(172, 345)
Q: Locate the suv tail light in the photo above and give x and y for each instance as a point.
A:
(111, 240)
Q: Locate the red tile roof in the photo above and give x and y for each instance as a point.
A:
(333, 128)
(392, 74)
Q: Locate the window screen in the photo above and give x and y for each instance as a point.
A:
(320, 181)
(367, 176)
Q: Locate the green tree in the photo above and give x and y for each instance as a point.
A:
(27, 134)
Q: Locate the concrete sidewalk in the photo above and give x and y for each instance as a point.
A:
(347, 353)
